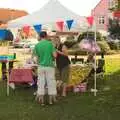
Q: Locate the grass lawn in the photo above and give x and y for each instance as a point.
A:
(20, 105)
(112, 64)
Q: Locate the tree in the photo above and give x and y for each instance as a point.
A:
(89, 35)
(116, 7)
(114, 28)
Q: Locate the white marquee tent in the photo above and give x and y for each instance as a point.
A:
(50, 13)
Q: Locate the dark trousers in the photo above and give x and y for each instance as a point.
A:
(4, 69)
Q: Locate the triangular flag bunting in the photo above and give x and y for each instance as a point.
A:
(60, 25)
(38, 28)
(69, 23)
(90, 20)
(26, 29)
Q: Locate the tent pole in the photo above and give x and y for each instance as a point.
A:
(8, 73)
(8, 78)
(95, 81)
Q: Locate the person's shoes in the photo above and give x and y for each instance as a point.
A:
(35, 93)
(55, 99)
(12, 85)
(63, 94)
(42, 104)
(50, 103)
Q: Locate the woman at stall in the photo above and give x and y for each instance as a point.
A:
(63, 64)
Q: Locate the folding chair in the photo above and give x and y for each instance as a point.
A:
(100, 67)
(100, 70)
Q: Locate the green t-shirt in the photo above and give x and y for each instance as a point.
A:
(44, 51)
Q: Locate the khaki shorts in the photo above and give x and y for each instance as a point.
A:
(64, 74)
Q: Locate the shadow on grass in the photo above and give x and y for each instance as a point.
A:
(113, 80)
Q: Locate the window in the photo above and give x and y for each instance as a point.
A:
(101, 20)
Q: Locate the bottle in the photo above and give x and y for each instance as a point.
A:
(14, 55)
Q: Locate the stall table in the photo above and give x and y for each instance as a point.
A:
(78, 73)
(4, 69)
(21, 75)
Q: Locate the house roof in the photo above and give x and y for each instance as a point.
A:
(7, 14)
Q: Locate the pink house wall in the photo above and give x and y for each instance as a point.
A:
(101, 9)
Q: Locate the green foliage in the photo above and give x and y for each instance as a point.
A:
(104, 46)
(70, 37)
(114, 28)
(114, 46)
(90, 35)
(74, 44)
(113, 52)
(77, 51)
(116, 7)
(70, 43)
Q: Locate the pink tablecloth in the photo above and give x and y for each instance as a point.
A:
(21, 76)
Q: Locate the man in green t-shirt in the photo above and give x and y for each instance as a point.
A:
(45, 52)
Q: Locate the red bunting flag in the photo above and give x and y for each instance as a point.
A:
(90, 20)
(60, 25)
(26, 30)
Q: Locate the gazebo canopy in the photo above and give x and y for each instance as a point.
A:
(50, 13)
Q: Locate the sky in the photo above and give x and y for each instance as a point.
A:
(81, 7)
